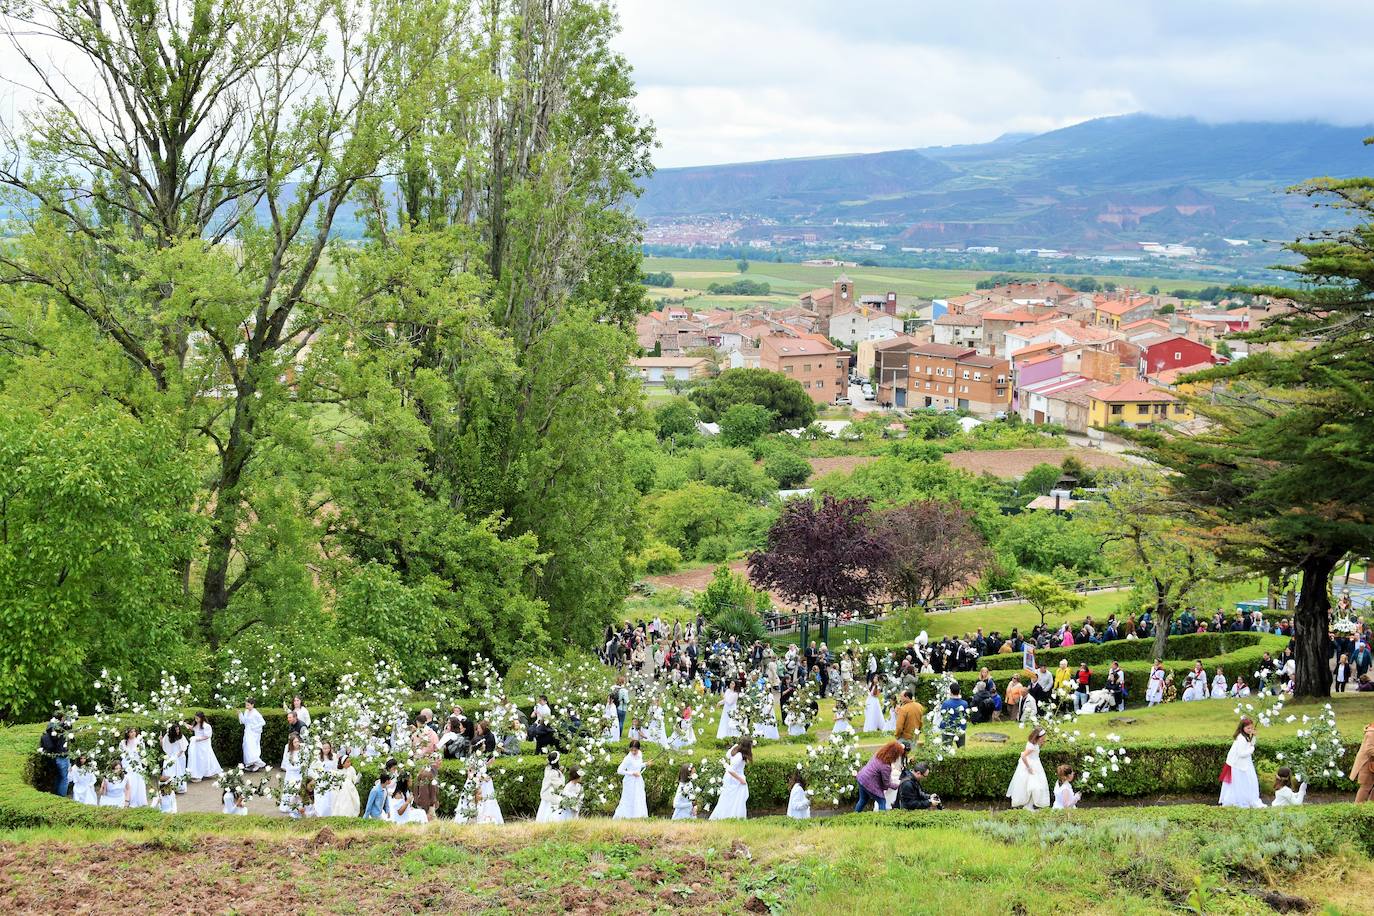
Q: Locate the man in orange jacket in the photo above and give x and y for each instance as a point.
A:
(910, 715)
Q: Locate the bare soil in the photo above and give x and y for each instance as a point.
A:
(1011, 463)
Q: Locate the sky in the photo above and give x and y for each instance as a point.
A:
(741, 80)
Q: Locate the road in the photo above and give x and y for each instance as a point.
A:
(856, 399)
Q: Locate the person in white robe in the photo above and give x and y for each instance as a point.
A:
(1219, 684)
(1284, 796)
(114, 789)
(201, 762)
(684, 735)
(174, 748)
(292, 763)
(684, 805)
(1154, 689)
(734, 786)
(302, 714)
(1064, 795)
(234, 803)
(131, 753)
(633, 803)
(327, 763)
(571, 803)
(1239, 782)
(346, 800)
(609, 713)
(488, 808)
(84, 782)
(550, 791)
(657, 731)
(253, 723)
(798, 802)
(728, 728)
(1029, 788)
(873, 710)
(167, 798)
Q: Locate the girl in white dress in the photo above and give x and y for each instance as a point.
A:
(114, 789)
(734, 788)
(632, 801)
(1064, 795)
(571, 803)
(684, 807)
(328, 763)
(132, 753)
(167, 797)
(1029, 788)
(346, 801)
(609, 713)
(873, 710)
(550, 792)
(798, 802)
(1284, 796)
(488, 809)
(1154, 690)
(657, 731)
(201, 763)
(234, 803)
(402, 811)
(842, 725)
(302, 714)
(83, 782)
(174, 745)
(1219, 683)
(728, 701)
(253, 723)
(1239, 782)
(291, 764)
(684, 735)
(1240, 688)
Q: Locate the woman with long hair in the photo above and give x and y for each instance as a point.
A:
(551, 791)
(633, 803)
(734, 787)
(174, 746)
(292, 763)
(1239, 782)
(876, 776)
(201, 761)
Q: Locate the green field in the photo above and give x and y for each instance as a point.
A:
(789, 280)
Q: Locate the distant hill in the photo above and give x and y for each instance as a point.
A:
(1103, 183)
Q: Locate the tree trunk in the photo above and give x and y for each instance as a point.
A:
(1164, 616)
(1311, 627)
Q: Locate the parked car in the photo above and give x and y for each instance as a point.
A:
(870, 394)
(842, 401)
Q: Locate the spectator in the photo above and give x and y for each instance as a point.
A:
(954, 717)
(911, 794)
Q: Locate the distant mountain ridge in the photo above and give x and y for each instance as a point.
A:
(1102, 183)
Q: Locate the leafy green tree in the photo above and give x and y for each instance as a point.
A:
(892, 481)
(742, 424)
(734, 469)
(683, 517)
(1048, 597)
(742, 265)
(1042, 541)
(787, 468)
(1141, 527)
(726, 590)
(94, 526)
(676, 420)
(791, 405)
(1040, 479)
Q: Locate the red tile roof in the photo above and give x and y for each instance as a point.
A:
(1133, 390)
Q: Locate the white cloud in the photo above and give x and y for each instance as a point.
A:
(732, 81)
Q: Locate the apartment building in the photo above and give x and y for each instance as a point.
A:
(820, 366)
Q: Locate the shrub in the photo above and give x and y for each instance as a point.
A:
(741, 622)
(787, 468)
(714, 548)
(658, 557)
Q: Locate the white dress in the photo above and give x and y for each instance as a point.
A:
(488, 808)
(612, 718)
(1065, 796)
(656, 732)
(290, 780)
(231, 808)
(682, 805)
(168, 803)
(252, 722)
(571, 803)
(175, 751)
(733, 793)
(550, 797)
(413, 814)
(1286, 797)
(202, 763)
(873, 714)
(138, 785)
(799, 804)
(632, 800)
(113, 794)
(1029, 787)
(684, 735)
(767, 727)
(1243, 789)
(1154, 691)
(83, 786)
(1219, 685)
(842, 726)
(727, 727)
(324, 801)
(346, 801)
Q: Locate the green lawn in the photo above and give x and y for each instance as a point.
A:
(905, 281)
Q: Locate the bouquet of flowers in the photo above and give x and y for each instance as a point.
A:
(1099, 762)
(799, 712)
(274, 683)
(235, 780)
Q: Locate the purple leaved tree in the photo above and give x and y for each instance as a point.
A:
(827, 552)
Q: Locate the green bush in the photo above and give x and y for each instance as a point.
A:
(658, 557)
(789, 469)
(715, 548)
(741, 622)
(1181, 648)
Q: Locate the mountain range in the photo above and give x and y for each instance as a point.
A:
(1103, 184)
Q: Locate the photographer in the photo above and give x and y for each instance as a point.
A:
(53, 744)
(911, 794)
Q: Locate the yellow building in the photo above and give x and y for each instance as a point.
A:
(1135, 403)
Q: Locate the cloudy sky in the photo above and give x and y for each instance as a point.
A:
(735, 80)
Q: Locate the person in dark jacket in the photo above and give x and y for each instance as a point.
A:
(53, 744)
(911, 795)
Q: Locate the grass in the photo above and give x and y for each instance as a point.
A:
(1132, 861)
(794, 279)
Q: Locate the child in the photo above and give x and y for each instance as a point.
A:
(83, 782)
(1064, 795)
(1029, 789)
(234, 803)
(114, 790)
(841, 720)
(572, 795)
(167, 796)
(632, 798)
(1284, 795)
(798, 802)
(684, 807)
(550, 792)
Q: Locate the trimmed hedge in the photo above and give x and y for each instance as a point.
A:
(1181, 648)
(1157, 768)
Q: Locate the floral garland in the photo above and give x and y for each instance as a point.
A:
(1322, 748)
(831, 767)
(275, 683)
(799, 711)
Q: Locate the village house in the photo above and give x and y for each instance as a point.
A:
(961, 330)
(826, 302)
(1112, 313)
(889, 367)
(816, 363)
(1135, 403)
(853, 325)
(1172, 352)
(658, 371)
(956, 378)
